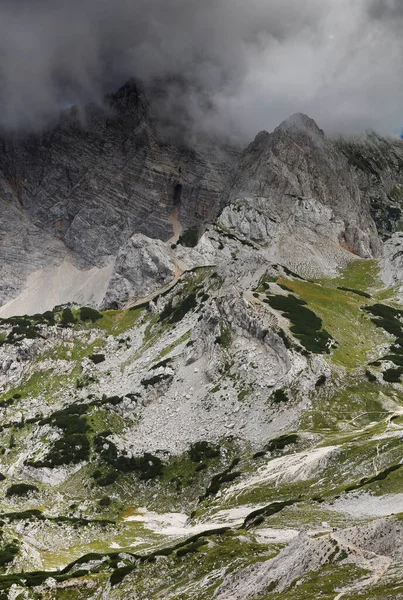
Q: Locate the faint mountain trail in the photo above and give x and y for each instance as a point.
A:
(377, 563)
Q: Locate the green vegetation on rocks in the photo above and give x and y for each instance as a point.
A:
(306, 325)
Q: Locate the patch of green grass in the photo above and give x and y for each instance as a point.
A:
(362, 275)
(116, 322)
(175, 344)
(40, 382)
(346, 406)
(225, 338)
(306, 325)
(357, 292)
(323, 583)
(343, 318)
(73, 351)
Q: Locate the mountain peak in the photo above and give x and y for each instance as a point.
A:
(300, 121)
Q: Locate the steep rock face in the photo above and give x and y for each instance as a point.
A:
(378, 163)
(89, 183)
(392, 262)
(95, 179)
(295, 180)
(24, 247)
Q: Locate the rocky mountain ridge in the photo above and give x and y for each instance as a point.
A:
(76, 194)
(227, 423)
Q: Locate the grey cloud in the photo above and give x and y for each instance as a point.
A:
(228, 66)
(385, 9)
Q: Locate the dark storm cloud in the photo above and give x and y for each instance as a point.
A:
(385, 9)
(228, 65)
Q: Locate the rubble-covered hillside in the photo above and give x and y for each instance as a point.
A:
(235, 435)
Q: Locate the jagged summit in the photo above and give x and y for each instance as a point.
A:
(130, 96)
(300, 122)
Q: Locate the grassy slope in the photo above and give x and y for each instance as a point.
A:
(347, 412)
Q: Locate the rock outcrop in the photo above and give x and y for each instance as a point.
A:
(141, 267)
(294, 186)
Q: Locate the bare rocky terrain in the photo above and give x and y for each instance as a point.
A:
(201, 352)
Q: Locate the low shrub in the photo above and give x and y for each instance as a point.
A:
(279, 397)
(97, 358)
(112, 400)
(191, 548)
(84, 381)
(162, 364)
(226, 476)
(26, 330)
(21, 489)
(147, 466)
(69, 449)
(105, 501)
(67, 318)
(281, 442)
(174, 314)
(155, 379)
(290, 273)
(90, 314)
(321, 381)
(73, 447)
(8, 553)
(49, 316)
(370, 376)
(201, 451)
(284, 287)
(119, 574)
(357, 292)
(393, 375)
(108, 479)
(387, 318)
(306, 325)
(190, 238)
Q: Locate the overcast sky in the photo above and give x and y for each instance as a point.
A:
(244, 65)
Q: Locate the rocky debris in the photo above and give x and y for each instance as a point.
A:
(370, 546)
(142, 266)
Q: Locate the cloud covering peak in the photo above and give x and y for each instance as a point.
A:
(229, 66)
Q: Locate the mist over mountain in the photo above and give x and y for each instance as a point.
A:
(201, 300)
(232, 67)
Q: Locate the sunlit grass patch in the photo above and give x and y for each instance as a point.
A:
(343, 318)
